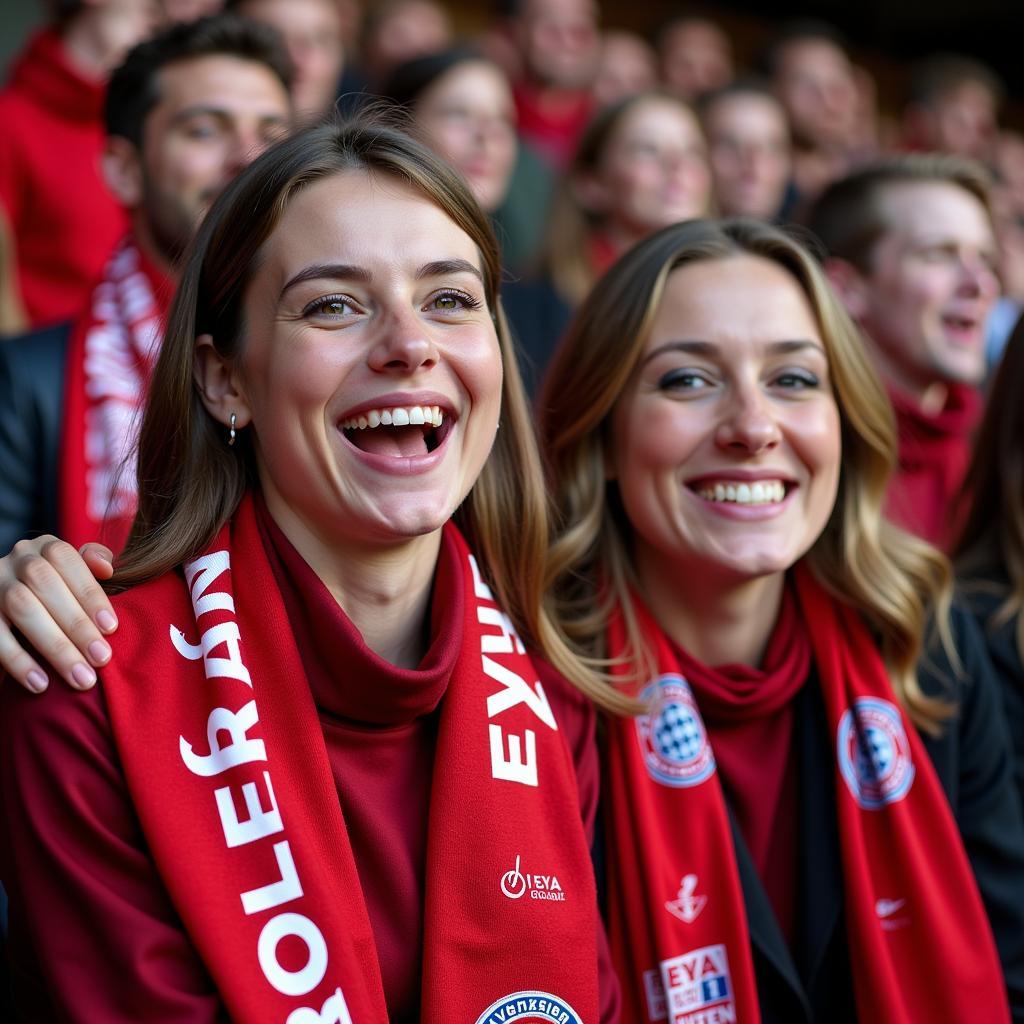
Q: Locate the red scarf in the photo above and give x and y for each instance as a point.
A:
(110, 359)
(921, 948)
(934, 452)
(225, 760)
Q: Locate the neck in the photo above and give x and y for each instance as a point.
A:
(928, 395)
(94, 43)
(718, 620)
(385, 590)
(149, 247)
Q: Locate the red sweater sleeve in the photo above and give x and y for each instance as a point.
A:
(577, 718)
(87, 908)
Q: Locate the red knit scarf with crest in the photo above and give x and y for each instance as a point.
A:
(110, 358)
(921, 948)
(226, 764)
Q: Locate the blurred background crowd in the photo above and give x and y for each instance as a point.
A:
(581, 128)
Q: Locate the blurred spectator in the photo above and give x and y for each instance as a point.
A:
(62, 219)
(953, 107)
(1008, 206)
(749, 149)
(912, 252)
(641, 165)
(627, 65)
(172, 11)
(559, 45)
(817, 85)
(695, 56)
(462, 103)
(185, 113)
(397, 30)
(311, 30)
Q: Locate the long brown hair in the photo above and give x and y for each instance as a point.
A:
(190, 482)
(892, 578)
(992, 541)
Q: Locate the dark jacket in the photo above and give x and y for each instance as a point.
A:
(32, 376)
(813, 982)
(984, 597)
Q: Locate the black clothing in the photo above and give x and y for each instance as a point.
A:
(32, 378)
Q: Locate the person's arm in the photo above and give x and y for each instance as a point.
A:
(974, 761)
(93, 935)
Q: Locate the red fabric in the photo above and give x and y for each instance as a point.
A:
(934, 452)
(485, 815)
(73, 852)
(920, 944)
(64, 220)
(748, 713)
(552, 123)
(110, 358)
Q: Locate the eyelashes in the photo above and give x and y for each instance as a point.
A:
(344, 305)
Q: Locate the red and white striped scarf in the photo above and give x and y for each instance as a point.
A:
(111, 354)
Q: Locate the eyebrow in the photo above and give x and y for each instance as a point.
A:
(710, 349)
(223, 114)
(351, 272)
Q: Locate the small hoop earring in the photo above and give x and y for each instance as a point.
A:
(231, 430)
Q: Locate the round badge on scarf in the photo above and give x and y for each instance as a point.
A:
(874, 753)
(529, 1006)
(672, 738)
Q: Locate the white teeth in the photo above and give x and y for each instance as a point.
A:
(413, 415)
(763, 492)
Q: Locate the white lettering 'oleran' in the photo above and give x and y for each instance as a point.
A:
(230, 745)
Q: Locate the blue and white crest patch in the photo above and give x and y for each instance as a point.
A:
(529, 1006)
(672, 738)
(874, 753)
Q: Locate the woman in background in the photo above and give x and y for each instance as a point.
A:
(641, 165)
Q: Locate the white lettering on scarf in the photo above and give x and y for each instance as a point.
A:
(519, 764)
(263, 816)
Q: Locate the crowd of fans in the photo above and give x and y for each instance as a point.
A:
(586, 146)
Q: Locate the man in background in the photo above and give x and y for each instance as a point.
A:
(911, 250)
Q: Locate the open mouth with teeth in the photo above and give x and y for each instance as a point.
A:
(400, 432)
(757, 492)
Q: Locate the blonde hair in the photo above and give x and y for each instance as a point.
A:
(190, 482)
(892, 578)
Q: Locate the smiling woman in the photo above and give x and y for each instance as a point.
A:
(320, 693)
(719, 448)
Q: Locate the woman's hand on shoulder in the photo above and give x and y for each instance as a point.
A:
(50, 600)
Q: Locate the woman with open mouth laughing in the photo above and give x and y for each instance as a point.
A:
(810, 816)
(319, 782)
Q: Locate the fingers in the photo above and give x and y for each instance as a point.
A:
(49, 594)
(99, 559)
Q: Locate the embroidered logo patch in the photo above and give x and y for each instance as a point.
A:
(698, 988)
(529, 1006)
(672, 739)
(874, 753)
(515, 884)
(688, 903)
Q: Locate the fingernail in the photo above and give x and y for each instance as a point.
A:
(37, 680)
(83, 676)
(99, 651)
(106, 621)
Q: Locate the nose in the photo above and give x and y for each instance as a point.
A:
(403, 344)
(748, 424)
(977, 276)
